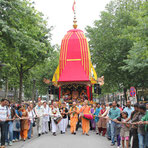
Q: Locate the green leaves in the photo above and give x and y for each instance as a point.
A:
(118, 43)
(24, 37)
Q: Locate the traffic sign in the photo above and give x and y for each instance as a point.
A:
(132, 92)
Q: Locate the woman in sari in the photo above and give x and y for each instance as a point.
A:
(93, 123)
(102, 121)
(31, 115)
(24, 123)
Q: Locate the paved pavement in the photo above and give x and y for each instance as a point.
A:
(65, 141)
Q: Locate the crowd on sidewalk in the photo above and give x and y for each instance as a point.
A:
(126, 126)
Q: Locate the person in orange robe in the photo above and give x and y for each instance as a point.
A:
(85, 123)
(24, 124)
(74, 111)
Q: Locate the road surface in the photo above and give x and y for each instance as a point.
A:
(65, 141)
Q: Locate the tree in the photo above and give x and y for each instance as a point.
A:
(111, 41)
(40, 72)
(25, 37)
(137, 58)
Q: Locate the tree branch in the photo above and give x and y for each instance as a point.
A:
(29, 68)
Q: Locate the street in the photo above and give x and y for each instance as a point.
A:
(65, 141)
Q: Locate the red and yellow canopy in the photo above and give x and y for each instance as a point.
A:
(75, 61)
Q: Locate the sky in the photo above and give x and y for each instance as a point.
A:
(60, 14)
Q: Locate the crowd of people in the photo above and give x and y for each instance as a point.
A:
(126, 126)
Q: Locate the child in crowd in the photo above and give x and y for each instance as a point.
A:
(122, 129)
(125, 129)
(118, 129)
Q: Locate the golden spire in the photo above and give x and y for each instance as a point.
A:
(75, 19)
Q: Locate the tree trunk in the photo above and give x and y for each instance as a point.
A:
(6, 89)
(108, 98)
(15, 95)
(125, 95)
(113, 97)
(33, 95)
(21, 84)
(47, 96)
(37, 95)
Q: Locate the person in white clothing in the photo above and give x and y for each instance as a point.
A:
(64, 113)
(3, 119)
(31, 115)
(54, 113)
(45, 118)
(39, 110)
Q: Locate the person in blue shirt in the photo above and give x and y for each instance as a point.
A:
(96, 114)
(114, 113)
(16, 123)
(129, 109)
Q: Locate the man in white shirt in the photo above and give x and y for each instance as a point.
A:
(54, 113)
(45, 118)
(39, 110)
(3, 119)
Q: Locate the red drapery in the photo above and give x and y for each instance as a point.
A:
(91, 93)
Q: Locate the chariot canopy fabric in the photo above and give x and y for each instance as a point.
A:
(75, 61)
(72, 72)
